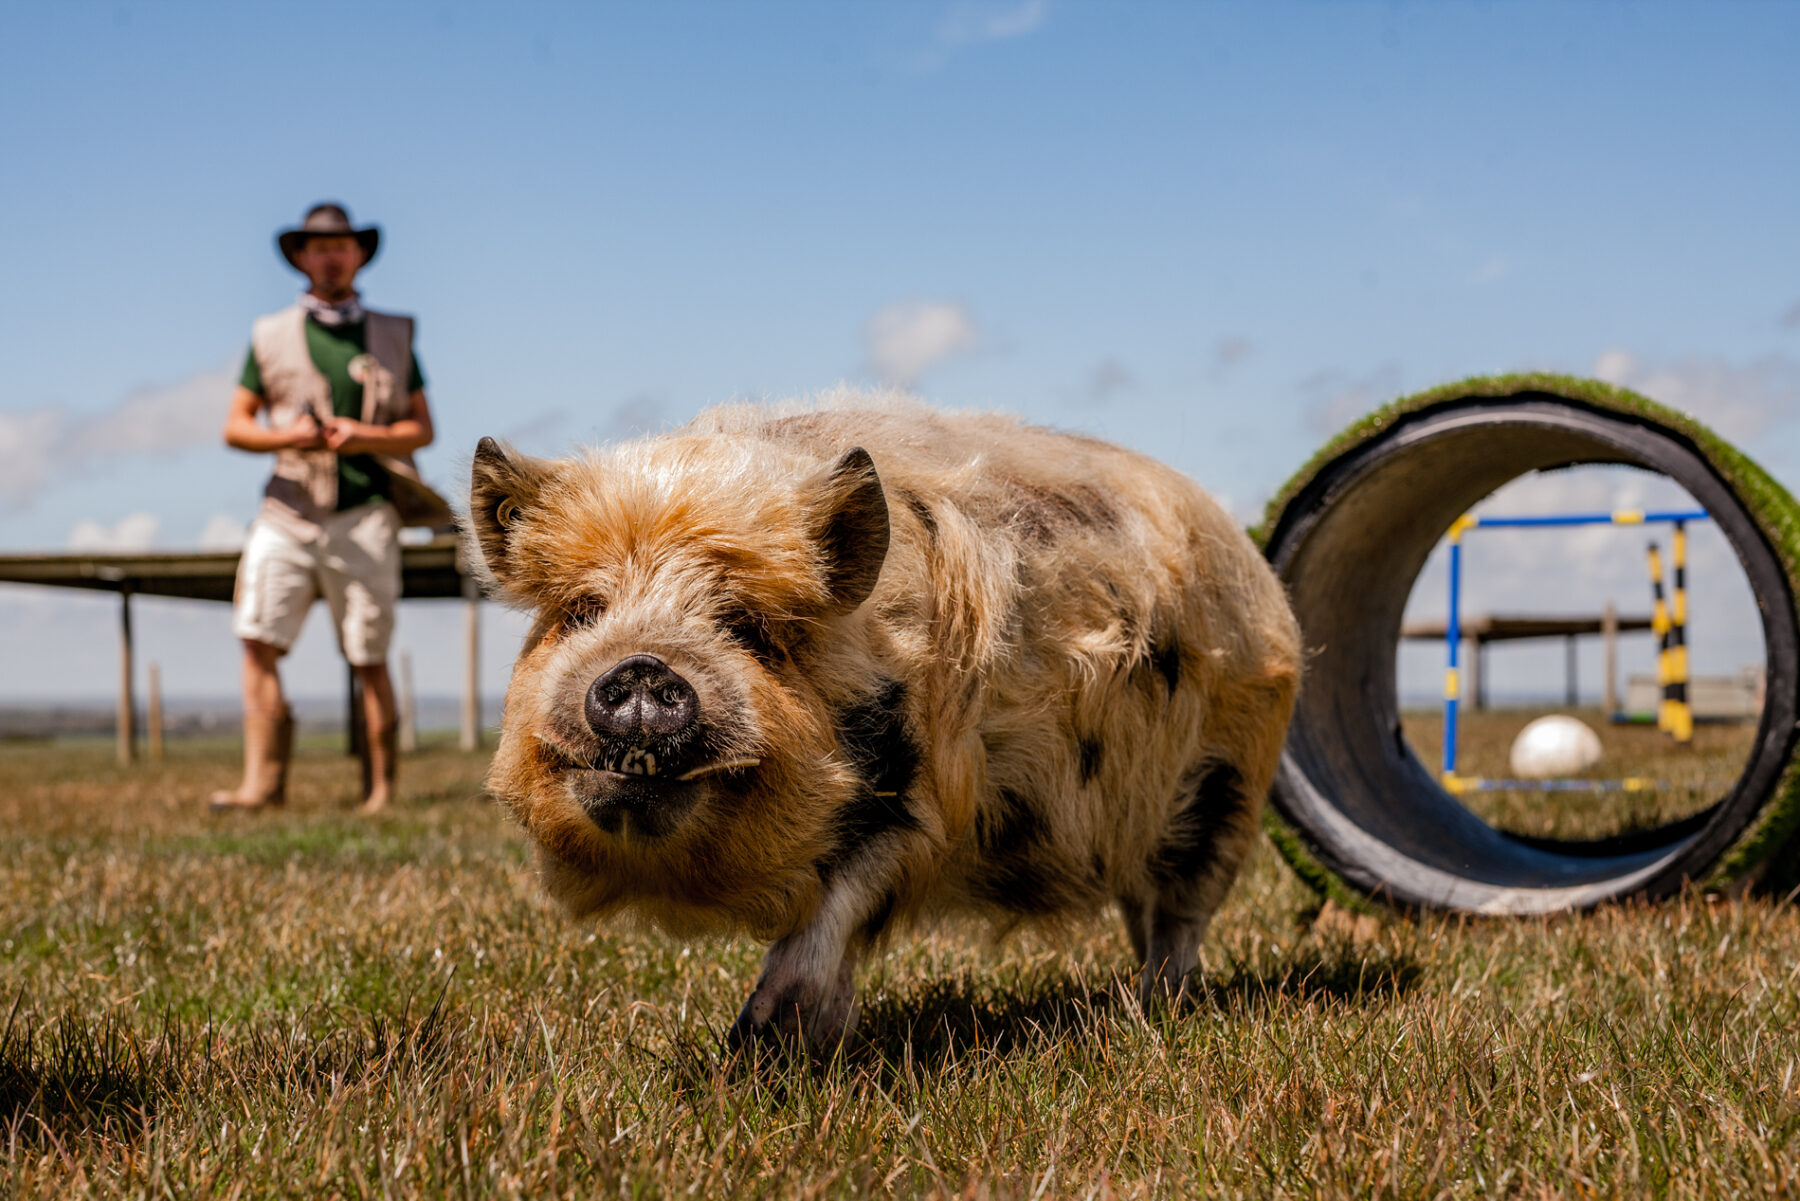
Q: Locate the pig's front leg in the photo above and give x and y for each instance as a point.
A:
(808, 985)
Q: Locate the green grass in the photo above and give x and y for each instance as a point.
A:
(305, 1003)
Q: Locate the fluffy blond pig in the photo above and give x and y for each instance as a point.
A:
(811, 674)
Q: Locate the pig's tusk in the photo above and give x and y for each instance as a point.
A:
(708, 768)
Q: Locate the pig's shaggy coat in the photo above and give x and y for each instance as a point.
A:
(1065, 683)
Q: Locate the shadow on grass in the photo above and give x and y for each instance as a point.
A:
(82, 1076)
(947, 1018)
(941, 1023)
(79, 1075)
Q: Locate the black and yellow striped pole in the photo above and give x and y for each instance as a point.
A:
(1675, 688)
(1673, 716)
(1659, 625)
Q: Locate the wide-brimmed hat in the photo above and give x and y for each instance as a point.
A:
(328, 220)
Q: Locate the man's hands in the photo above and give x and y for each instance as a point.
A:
(348, 436)
(340, 435)
(245, 432)
(305, 434)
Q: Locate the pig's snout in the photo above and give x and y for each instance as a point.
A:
(642, 711)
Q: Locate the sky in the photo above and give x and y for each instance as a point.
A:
(1215, 232)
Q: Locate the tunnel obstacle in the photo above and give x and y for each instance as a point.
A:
(1353, 809)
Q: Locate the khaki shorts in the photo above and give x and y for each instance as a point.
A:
(354, 564)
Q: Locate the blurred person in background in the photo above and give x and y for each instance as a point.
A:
(334, 392)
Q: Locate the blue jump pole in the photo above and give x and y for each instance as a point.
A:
(1453, 644)
(1616, 517)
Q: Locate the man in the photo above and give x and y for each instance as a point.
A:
(343, 407)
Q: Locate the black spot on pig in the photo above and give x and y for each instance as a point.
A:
(1215, 802)
(1089, 750)
(873, 739)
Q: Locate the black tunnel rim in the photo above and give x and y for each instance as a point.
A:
(1749, 821)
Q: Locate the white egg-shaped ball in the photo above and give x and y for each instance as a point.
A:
(1557, 745)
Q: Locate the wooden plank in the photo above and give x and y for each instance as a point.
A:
(430, 571)
(1502, 628)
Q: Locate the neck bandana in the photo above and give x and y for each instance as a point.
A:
(331, 316)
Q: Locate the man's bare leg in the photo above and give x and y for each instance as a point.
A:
(268, 732)
(380, 720)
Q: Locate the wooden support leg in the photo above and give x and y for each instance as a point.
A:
(1609, 634)
(471, 705)
(1570, 682)
(153, 711)
(127, 722)
(1476, 685)
(408, 712)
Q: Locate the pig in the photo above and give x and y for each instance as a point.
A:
(813, 673)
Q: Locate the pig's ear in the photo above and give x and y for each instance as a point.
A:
(851, 516)
(503, 488)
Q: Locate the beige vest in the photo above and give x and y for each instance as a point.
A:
(302, 493)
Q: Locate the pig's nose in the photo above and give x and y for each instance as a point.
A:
(641, 698)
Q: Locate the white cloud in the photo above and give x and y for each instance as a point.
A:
(906, 340)
(1335, 399)
(28, 444)
(974, 22)
(636, 417)
(1492, 270)
(1741, 402)
(40, 446)
(1614, 365)
(222, 532)
(967, 24)
(1229, 352)
(188, 413)
(545, 428)
(134, 532)
(1108, 378)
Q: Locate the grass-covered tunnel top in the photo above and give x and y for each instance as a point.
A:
(1764, 852)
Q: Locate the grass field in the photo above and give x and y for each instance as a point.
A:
(310, 1004)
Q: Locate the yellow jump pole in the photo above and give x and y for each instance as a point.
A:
(1675, 694)
(1659, 625)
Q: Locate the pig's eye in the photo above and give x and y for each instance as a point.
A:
(583, 612)
(750, 632)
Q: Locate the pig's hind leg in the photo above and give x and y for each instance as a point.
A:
(1191, 869)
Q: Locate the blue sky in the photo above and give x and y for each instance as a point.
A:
(1215, 232)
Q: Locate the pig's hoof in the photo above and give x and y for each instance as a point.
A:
(787, 1024)
(748, 1031)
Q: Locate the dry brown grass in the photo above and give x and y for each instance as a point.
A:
(309, 1004)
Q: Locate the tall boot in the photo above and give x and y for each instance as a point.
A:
(268, 748)
(381, 764)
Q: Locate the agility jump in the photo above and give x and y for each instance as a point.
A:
(1674, 716)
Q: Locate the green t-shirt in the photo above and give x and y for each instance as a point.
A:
(360, 478)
